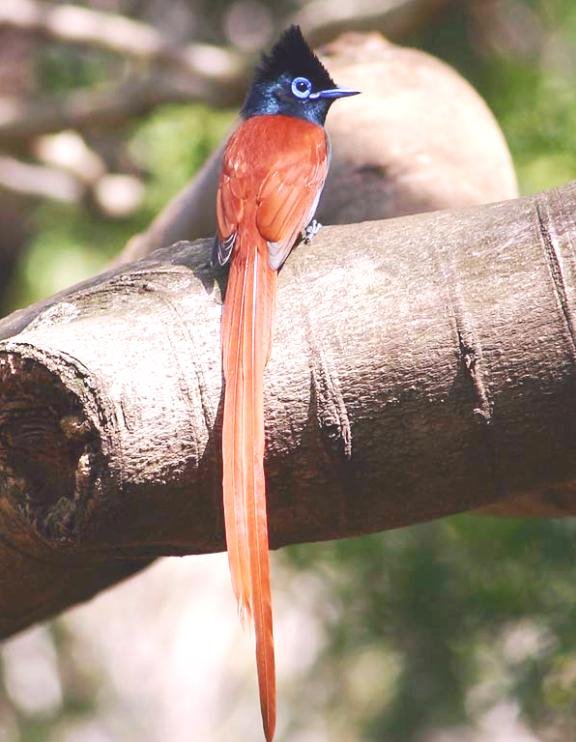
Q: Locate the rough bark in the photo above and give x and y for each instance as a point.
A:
(386, 164)
(421, 366)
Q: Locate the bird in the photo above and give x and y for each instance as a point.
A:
(273, 170)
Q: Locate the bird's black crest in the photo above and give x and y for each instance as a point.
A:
(291, 54)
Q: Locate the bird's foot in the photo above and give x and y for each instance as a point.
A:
(310, 231)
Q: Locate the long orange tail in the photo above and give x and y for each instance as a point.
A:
(246, 337)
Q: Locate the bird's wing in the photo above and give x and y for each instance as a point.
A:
(289, 195)
(278, 166)
(230, 204)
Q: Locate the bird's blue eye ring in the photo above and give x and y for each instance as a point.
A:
(301, 87)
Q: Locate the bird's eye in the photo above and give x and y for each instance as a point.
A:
(301, 87)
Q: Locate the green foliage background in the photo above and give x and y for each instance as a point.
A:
(429, 626)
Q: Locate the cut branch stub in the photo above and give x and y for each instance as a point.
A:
(48, 446)
(103, 395)
(420, 367)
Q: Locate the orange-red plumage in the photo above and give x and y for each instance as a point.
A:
(273, 172)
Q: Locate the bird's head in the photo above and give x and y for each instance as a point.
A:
(292, 81)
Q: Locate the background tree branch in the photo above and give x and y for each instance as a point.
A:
(197, 71)
(387, 164)
(72, 24)
(136, 39)
(21, 121)
(323, 20)
(421, 367)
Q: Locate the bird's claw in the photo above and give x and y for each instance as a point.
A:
(310, 231)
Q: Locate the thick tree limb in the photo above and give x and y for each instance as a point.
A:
(420, 367)
(389, 165)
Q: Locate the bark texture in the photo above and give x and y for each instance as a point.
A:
(420, 367)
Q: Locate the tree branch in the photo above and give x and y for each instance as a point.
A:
(420, 367)
(204, 72)
(21, 121)
(320, 20)
(323, 20)
(209, 65)
(39, 181)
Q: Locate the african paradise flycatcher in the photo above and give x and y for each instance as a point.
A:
(273, 171)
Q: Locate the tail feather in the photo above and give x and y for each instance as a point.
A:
(246, 337)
